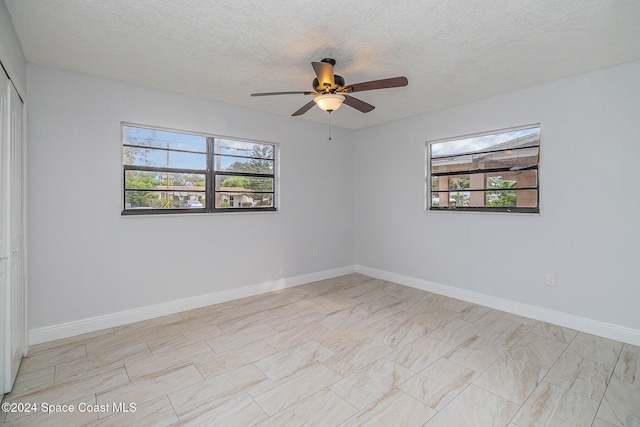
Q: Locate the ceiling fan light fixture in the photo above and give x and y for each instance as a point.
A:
(329, 101)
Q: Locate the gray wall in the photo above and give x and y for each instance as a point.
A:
(587, 232)
(87, 260)
(11, 53)
(359, 199)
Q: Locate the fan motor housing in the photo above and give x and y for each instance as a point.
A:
(338, 80)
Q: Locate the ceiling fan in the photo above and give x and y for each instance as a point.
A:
(331, 92)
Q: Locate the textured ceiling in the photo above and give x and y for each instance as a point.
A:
(452, 51)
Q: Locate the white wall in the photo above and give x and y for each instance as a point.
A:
(86, 260)
(587, 233)
(11, 53)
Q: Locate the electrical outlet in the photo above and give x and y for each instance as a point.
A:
(551, 279)
(314, 252)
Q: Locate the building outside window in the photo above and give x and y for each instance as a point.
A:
(495, 171)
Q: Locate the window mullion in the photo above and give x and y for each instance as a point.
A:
(210, 175)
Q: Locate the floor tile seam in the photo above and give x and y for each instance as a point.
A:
(263, 409)
(150, 377)
(598, 410)
(613, 364)
(52, 387)
(357, 410)
(194, 362)
(527, 400)
(544, 378)
(95, 396)
(376, 361)
(55, 373)
(498, 396)
(258, 405)
(185, 343)
(524, 335)
(469, 367)
(327, 388)
(520, 360)
(153, 397)
(527, 361)
(613, 372)
(567, 391)
(189, 414)
(160, 370)
(538, 383)
(398, 389)
(89, 374)
(615, 412)
(446, 404)
(293, 376)
(599, 401)
(265, 374)
(84, 345)
(110, 352)
(71, 343)
(520, 405)
(513, 417)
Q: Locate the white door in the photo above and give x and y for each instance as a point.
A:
(4, 214)
(16, 336)
(12, 202)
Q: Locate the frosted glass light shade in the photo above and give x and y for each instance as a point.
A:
(329, 101)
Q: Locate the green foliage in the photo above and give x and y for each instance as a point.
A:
(260, 163)
(459, 199)
(501, 198)
(192, 180)
(459, 184)
(153, 200)
(141, 180)
(505, 198)
(236, 182)
(435, 183)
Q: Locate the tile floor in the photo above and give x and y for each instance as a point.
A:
(349, 351)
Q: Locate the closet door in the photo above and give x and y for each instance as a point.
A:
(4, 224)
(16, 298)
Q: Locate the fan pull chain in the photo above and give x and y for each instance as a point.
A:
(329, 125)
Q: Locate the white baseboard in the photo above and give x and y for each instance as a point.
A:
(70, 329)
(65, 330)
(582, 324)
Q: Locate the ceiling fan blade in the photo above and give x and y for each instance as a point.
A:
(283, 93)
(377, 84)
(358, 104)
(306, 107)
(324, 71)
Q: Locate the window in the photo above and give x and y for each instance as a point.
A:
(489, 172)
(175, 172)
